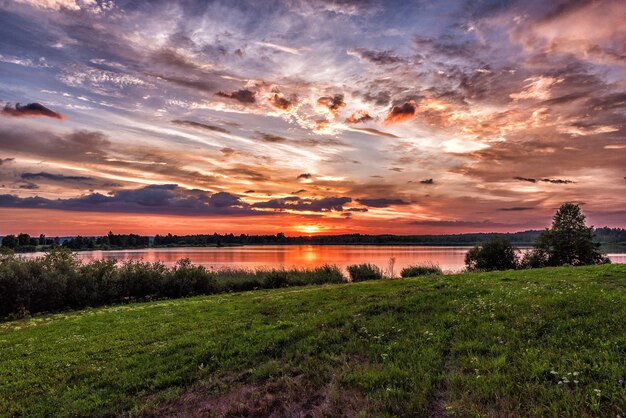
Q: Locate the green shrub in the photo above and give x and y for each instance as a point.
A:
(60, 281)
(186, 279)
(365, 271)
(495, 254)
(275, 279)
(420, 270)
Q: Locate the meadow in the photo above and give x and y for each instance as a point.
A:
(538, 342)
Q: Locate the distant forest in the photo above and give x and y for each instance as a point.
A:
(26, 243)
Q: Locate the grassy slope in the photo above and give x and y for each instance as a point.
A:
(487, 344)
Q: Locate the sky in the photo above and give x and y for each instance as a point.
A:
(310, 116)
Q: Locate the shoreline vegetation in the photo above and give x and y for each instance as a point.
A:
(22, 243)
(59, 281)
(537, 342)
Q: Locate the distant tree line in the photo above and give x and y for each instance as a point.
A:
(25, 243)
(569, 241)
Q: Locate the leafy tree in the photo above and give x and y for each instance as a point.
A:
(495, 254)
(23, 239)
(568, 241)
(10, 241)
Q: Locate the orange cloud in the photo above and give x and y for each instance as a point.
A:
(360, 116)
(30, 110)
(402, 113)
(332, 103)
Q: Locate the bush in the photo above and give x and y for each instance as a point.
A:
(60, 281)
(420, 270)
(495, 254)
(275, 279)
(365, 271)
(186, 279)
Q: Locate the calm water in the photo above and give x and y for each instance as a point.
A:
(448, 258)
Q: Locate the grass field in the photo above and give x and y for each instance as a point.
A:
(545, 342)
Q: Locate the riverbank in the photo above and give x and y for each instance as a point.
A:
(514, 343)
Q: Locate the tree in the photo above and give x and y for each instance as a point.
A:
(495, 254)
(23, 239)
(9, 241)
(568, 241)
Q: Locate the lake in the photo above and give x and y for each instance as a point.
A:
(450, 259)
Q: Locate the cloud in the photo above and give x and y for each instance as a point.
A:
(281, 103)
(280, 48)
(73, 5)
(199, 125)
(402, 113)
(153, 199)
(28, 186)
(6, 160)
(516, 209)
(382, 202)
(272, 138)
(304, 176)
(332, 103)
(533, 180)
(243, 96)
(372, 131)
(460, 224)
(528, 179)
(55, 177)
(427, 181)
(557, 181)
(30, 110)
(360, 116)
(378, 57)
(295, 203)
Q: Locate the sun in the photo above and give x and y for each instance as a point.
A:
(308, 229)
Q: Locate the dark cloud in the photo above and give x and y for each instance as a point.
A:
(326, 204)
(530, 180)
(357, 209)
(272, 138)
(360, 116)
(378, 57)
(332, 103)
(171, 58)
(553, 181)
(52, 176)
(304, 176)
(401, 113)
(30, 110)
(152, 199)
(28, 186)
(516, 209)
(427, 181)
(281, 103)
(557, 181)
(199, 125)
(243, 96)
(382, 202)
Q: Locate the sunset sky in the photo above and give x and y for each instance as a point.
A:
(309, 116)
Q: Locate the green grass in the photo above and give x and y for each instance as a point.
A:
(481, 344)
